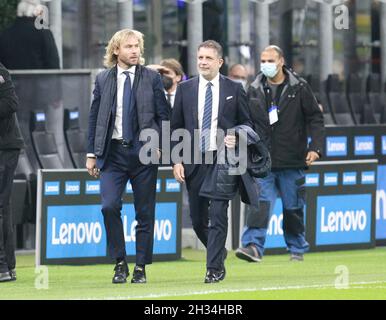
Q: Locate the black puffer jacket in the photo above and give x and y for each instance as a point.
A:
(225, 178)
(10, 136)
(298, 109)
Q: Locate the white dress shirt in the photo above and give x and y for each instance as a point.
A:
(121, 78)
(202, 86)
(172, 97)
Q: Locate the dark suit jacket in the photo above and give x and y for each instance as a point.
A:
(148, 100)
(233, 109)
(10, 135)
(22, 46)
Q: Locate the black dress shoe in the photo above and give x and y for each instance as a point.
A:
(213, 276)
(222, 274)
(121, 272)
(139, 275)
(5, 276)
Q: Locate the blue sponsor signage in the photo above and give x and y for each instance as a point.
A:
(78, 231)
(172, 185)
(75, 231)
(129, 187)
(349, 178)
(336, 146)
(312, 180)
(40, 117)
(72, 188)
(384, 145)
(364, 146)
(380, 212)
(343, 219)
(74, 115)
(92, 187)
(368, 177)
(331, 179)
(51, 188)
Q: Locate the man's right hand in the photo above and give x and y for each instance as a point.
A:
(179, 172)
(91, 167)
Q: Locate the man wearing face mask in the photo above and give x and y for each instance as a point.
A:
(282, 105)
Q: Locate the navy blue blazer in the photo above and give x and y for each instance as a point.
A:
(233, 109)
(148, 100)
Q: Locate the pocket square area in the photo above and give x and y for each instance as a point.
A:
(230, 97)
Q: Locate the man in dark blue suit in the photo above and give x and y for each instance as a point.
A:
(207, 103)
(128, 98)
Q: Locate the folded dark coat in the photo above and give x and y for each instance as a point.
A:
(225, 178)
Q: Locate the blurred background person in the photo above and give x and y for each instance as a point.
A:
(23, 46)
(172, 74)
(239, 73)
(11, 142)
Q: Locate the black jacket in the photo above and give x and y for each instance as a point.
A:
(149, 102)
(298, 111)
(23, 46)
(10, 136)
(225, 178)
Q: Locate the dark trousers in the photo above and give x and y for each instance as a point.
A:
(209, 219)
(122, 165)
(8, 163)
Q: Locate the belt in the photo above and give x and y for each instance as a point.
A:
(124, 143)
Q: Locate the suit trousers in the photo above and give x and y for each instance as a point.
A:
(209, 218)
(122, 165)
(8, 163)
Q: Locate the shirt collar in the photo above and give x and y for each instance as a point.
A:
(121, 70)
(215, 81)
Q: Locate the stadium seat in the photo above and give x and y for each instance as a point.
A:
(356, 98)
(44, 143)
(25, 172)
(377, 106)
(76, 139)
(338, 102)
(322, 99)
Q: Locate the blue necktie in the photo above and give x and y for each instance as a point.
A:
(207, 119)
(127, 133)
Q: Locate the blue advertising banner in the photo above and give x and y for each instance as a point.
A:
(78, 231)
(343, 219)
(380, 215)
(336, 146)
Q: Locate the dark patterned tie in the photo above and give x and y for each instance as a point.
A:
(207, 119)
(127, 133)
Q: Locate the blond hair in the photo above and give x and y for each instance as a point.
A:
(111, 59)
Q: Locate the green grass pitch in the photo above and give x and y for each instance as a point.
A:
(359, 274)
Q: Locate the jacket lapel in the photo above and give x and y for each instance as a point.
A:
(193, 97)
(223, 93)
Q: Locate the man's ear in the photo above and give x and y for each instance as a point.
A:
(179, 78)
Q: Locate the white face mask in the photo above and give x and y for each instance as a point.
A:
(269, 69)
(243, 83)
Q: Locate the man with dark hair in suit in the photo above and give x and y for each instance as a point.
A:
(11, 142)
(128, 98)
(207, 103)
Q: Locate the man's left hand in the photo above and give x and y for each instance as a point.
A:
(311, 157)
(230, 141)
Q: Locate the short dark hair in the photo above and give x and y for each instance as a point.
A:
(174, 65)
(275, 48)
(213, 45)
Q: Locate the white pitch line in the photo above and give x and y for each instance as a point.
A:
(205, 292)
